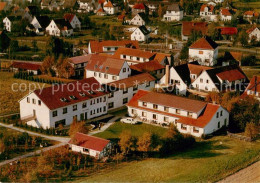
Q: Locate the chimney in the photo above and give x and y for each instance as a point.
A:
(167, 74)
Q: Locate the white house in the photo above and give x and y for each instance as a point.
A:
(139, 19)
(253, 89)
(73, 20)
(122, 91)
(9, 21)
(134, 56)
(87, 6)
(205, 51)
(140, 34)
(140, 7)
(189, 116)
(249, 15)
(253, 33)
(91, 145)
(110, 46)
(221, 79)
(173, 13)
(59, 27)
(40, 23)
(181, 77)
(207, 12)
(106, 69)
(61, 104)
(110, 8)
(34, 68)
(225, 14)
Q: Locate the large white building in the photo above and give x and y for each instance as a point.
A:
(59, 27)
(173, 13)
(61, 104)
(140, 34)
(122, 91)
(190, 116)
(106, 69)
(205, 51)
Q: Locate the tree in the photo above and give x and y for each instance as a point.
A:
(172, 131)
(14, 46)
(160, 11)
(34, 45)
(243, 38)
(252, 130)
(185, 50)
(126, 142)
(64, 68)
(48, 65)
(144, 142)
(77, 127)
(57, 46)
(2, 147)
(182, 3)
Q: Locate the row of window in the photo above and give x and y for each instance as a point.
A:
(34, 101)
(105, 76)
(98, 110)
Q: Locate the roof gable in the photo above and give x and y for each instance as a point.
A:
(204, 43)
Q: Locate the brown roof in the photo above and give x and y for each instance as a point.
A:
(97, 46)
(225, 11)
(132, 81)
(188, 27)
(2, 5)
(109, 4)
(251, 29)
(252, 13)
(52, 96)
(160, 56)
(79, 59)
(89, 142)
(254, 84)
(210, 7)
(26, 66)
(147, 66)
(104, 64)
(69, 17)
(197, 69)
(236, 55)
(133, 52)
(204, 43)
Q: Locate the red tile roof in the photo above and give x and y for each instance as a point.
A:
(147, 66)
(97, 46)
(132, 81)
(109, 4)
(188, 27)
(51, 96)
(139, 6)
(252, 13)
(133, 52)
(26, 66)
(197, 69)
(89, 142)
(237, 55)
(2, 5)
(69, 17)
(228, 30)
(121, 17)
(206, 115)
(253, 86)
(101, 10)
(231, 75)
(210, 7)
(160, 56)
(204, 43)
(251, 29)
(104, 64)
(225, 12)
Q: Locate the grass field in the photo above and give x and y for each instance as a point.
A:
(12, 90)
(207, 161)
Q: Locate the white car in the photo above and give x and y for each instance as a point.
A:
(129, 120)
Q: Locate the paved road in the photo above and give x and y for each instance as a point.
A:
(253, 50)
(250, 174)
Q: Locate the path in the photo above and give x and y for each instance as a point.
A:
(251, 174)
(252, 50)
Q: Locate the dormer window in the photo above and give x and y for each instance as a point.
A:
(82, 94)
(63, 99)
(72, 97)
(91, 92)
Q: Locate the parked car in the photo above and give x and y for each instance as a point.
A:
(129, 121)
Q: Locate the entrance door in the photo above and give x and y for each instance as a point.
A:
(86, 115)
(34, 113)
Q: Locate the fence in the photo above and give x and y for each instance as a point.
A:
(240, 137)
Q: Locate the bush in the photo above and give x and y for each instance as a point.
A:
(249, 61)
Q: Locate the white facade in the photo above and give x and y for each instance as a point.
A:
(7, 24)
(203, 56)
(138, 35)
(31, 106)
(86, 6)
(208, 15)
(110, 10)
(104, 78)
(53, 30)
(137, 20)
(254, 34)
(173, 16)
(204, 83)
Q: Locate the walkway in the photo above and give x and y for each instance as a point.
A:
(250, 174)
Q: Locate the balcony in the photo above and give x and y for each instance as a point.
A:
(25, 119)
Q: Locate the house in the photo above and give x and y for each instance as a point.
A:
(153, 67)
(86, 6)
(39, 24)
(153, 7)
(4, 41)
(189, 116)
(106, 69)
(249, 15)
(140, 7)
(59, 27)
(164, 58)
(122, 91)
(73, 20)
(221, 79)
(101, 12)
(110, 8)
(29, 67)
(70, 5)
(110, 46)
(3, 6)
(205, 51)
(189, 27)
(134, 56)
(225, 14)
(78, 63)
(51, 4)
(139, 19)
(253, 33)
(231, 58)
(58, 105)
(140, 34)
(181, 77)
(10, 21)
(173, 13)
(207, 12)
(253, 89)
(90, 145)
(226, 32)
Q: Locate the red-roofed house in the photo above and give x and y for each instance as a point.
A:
(225, 14)
(207, 12)
(189, 27)
(91, 145)
(73, 20)
(205, 51)
(110, 8)
(78, 63)
(140, 7)
(253, 88)
(61, 104)
(190, 116)
(248, 15)
(253, 33)
(34, 68)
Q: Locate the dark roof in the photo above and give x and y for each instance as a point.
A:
(44, 21)
(33, 9)
(174, 7)
(144, 30)
(143, 16)
(61, 23)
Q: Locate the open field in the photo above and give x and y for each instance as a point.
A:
(251, 71)
(208, 161)
(253, 4)
(12, 90)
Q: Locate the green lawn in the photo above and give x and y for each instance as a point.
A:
(115, 130)
(207, 161)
